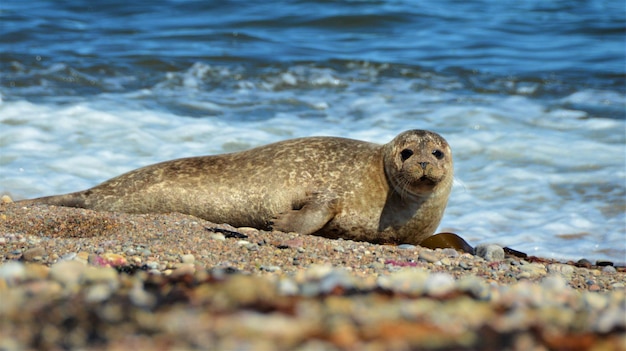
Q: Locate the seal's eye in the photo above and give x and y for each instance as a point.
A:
(405, 154)
(438, 154)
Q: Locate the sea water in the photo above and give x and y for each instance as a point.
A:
(531, 96)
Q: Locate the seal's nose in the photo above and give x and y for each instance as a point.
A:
(423, 164)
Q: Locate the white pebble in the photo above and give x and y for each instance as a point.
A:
(189, 258)
(98, 293)
(12, 271)
(68, 273)
(490, 252)
(609, 269)
(439, 284)
(287, 287)
(560, 268)
(218, 236)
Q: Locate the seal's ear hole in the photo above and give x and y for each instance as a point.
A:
(405, 154)
(438, 154)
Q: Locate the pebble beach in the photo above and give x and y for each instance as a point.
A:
(75, 279)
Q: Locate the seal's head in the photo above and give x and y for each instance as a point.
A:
(418, 163)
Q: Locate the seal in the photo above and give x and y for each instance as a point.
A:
(327, 186)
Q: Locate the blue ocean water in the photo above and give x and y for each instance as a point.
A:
(531, 95)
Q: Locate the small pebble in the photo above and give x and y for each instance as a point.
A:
(450, 252)
(35, 271)
(67, 273)
(611, 320)
(465, 265)
(428, 256)
(145, 252)
(490, 252)
(594, 287)
(13, 272)
(595, 301)
(316, 272)
(188, 258)
(252, 247)
(408, 281)
(34, 254)
(139, 297)
(609, 269)
(287, 287)
(270, 268)
(68, 256)
(249, 231)
(291, 243)
(152, 265)
(439, 284)
(475, 286)
(337, 278)
(93, 275)
(182, 270)
(108, 260)
(565, 270)
(98, 293)
(554, 283)
(6, 199)
(82, 256)
(532, 270)
(217, 236)
(617, 286)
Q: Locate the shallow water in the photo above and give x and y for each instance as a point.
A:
(531, 97)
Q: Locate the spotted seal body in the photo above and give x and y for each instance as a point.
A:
(333, 187)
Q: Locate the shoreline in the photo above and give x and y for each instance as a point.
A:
(244, 288)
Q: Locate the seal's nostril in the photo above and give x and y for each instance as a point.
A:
(423, 164)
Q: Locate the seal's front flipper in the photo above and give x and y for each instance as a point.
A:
(308, 219)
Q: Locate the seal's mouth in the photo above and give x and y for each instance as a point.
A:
(426, 181)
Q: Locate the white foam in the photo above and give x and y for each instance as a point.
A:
(596, 97)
